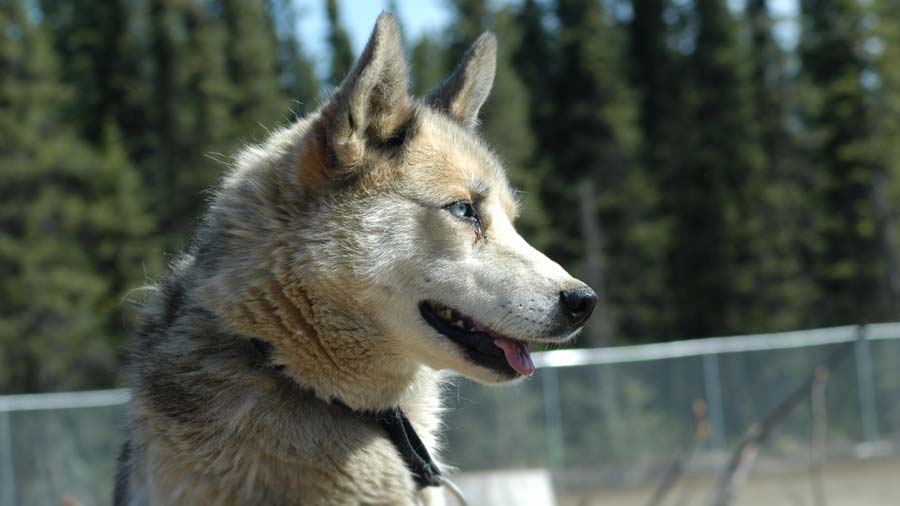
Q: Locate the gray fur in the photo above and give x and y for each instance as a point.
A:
(321, 243)
(465, 91)
(372, 101)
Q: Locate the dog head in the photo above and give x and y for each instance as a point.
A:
(411, 205)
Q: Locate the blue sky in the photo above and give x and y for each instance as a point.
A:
(358, 16)
(420, 16)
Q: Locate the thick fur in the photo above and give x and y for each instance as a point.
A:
(321, 243)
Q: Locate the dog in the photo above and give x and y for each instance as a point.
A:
(295, 354)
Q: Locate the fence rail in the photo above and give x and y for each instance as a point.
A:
(715, 345)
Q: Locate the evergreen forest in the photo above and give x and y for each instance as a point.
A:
(706, 173)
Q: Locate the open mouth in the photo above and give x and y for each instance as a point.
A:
(481, 344)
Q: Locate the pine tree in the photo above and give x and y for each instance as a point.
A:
(592, 146)
(427, 65)
(168, 149)
(251, 53)
(653, 77)
(206, 130)
(342, 58)
(534, 62)
(784, 284)
(657, 75)
(103, 59)
(507, 127)
(887, 103)
(73, 227)
(297, 73)
(471, 18)
(710, 196)
(853, 261)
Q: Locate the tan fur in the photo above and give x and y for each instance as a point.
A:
(321, 243)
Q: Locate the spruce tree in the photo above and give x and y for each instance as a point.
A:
(534, 60)
(593, 143)
(710, 196)
(206, 128)
(342, 58)
(784, 283)
(427, 65)
(652, 74)
(297, 74)
(507, 128)
(251, 56)
(852, 265)
(658, 79)
(73, 227)
(103, 57)
(168, 149)
(470, 19)
(887, 103)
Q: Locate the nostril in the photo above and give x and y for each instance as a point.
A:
(578, 304)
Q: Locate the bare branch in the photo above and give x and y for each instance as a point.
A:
(744, 455)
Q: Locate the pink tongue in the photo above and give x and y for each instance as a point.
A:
(517, 355)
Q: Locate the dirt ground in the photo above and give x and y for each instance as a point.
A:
(859, 483)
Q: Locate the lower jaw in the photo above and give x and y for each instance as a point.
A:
(503, 370)
(496, 363)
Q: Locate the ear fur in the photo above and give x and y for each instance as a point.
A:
(465, 91)
(372, 102)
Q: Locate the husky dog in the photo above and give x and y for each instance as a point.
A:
(341, 266)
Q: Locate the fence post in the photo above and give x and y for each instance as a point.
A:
(553, 418)
(7, 472)
(713, 388)
(866, 387)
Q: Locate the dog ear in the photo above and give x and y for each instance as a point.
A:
(372, 103)
(464, 92)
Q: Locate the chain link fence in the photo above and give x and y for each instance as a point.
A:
(596, 419)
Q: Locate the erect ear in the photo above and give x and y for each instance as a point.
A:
(464, 92)
(372, 103)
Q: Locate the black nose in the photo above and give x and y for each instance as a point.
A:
(578, 304)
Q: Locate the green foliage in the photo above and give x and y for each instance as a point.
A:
(704, 179)
(250, 52)
(427, 66)
(101, 59)
(716, 179)
(76, 234)
(783, 282)
(296, 72)
(886, 100)
(73, 228)
(342, 57)
(854, 221)
(591, 151)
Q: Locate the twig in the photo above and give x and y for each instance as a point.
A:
(745, 454)
(679, 464)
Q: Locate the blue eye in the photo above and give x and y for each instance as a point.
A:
(463, 210)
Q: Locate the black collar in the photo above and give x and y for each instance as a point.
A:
(399, 430)
(424, 470)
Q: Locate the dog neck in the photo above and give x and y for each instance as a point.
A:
(322, 344)
(395, 423)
